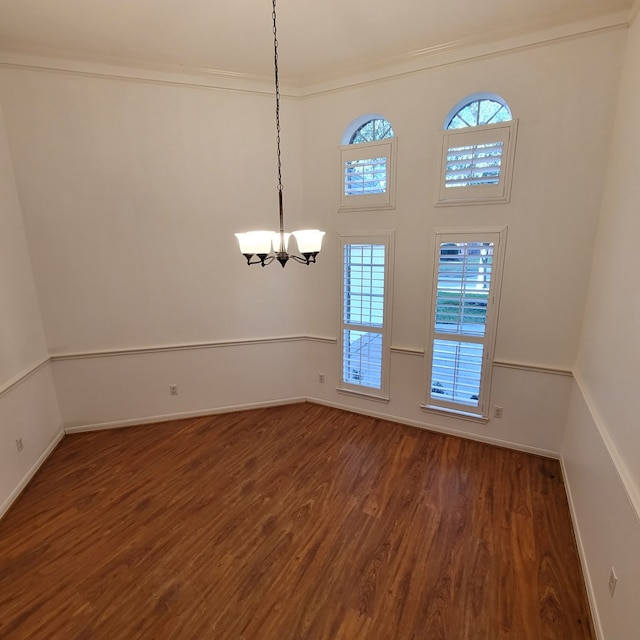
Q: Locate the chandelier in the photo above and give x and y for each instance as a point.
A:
(263, 247)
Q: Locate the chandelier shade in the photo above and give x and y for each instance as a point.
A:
(255, 242)
(309, 240)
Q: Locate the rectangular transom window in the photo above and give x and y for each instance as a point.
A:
(466, 286)
(473, 165)
(366, 264)
(477, 164)
(367, 175)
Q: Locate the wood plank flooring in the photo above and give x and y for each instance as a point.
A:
(290, 522)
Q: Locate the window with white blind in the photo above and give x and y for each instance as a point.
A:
(364, 176)
(466, 287)
(367, 165)
(366, 300)
(478, 144)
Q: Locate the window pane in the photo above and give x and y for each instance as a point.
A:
(362, 358)
(491, 112)
(474, 165)
(364, 284)
(480, 112)
(376, 129)
(464, 279)
(365, 176)
(456, 371)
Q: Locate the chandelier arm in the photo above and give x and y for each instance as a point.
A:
(263, 258)
(301, 259)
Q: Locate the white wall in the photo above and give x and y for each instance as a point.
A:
(602, 447)
(609, 357)
(131, 192)
(128, 388)
(564, 97)
(28, 406)
(606, 522)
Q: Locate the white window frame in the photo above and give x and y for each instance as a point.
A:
(385, 148)
(503, 132)
(385, 238)
(498, 236)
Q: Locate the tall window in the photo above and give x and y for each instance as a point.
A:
(467, 274)
(366, 266)
(368, 165)
(477, 151)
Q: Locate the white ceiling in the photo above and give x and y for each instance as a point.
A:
(318, 40)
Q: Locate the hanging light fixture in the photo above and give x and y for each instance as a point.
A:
(263, 247)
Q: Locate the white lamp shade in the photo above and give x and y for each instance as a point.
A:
(279, 239)
(254, 242)
(309, 240)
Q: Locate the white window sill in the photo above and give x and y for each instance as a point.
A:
(362, 394)
(454, 413)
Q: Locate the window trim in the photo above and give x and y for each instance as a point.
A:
(386, 148)
(505, 132)
(386, 237)
(474, 234)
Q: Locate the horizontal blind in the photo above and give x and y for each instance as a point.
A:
(365, 176)
(464, 281)
(464, 274)
(362, 358)
(364, 284)
(477, 164)
(473, 165)
(456, 371)
(363, 314)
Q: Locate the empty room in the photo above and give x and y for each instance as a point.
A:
(319, 321)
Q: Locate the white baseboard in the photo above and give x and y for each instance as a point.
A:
(582, 555)
(13, 496)
(100, 426)
(439, 429)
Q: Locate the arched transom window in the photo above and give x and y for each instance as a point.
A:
(478, 143)
(367, 164)
(371, 131)
(479, 112)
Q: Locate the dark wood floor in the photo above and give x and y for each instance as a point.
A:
(292, 522)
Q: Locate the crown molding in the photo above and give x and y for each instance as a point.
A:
(481, 46)
(477, 47)
(157, 74)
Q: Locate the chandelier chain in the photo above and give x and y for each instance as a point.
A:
(277, 79)
(277, 85)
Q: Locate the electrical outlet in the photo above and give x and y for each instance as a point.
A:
(173, 389)
(613, 581)
(19, 445)
(321, 378)
(497, 412)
